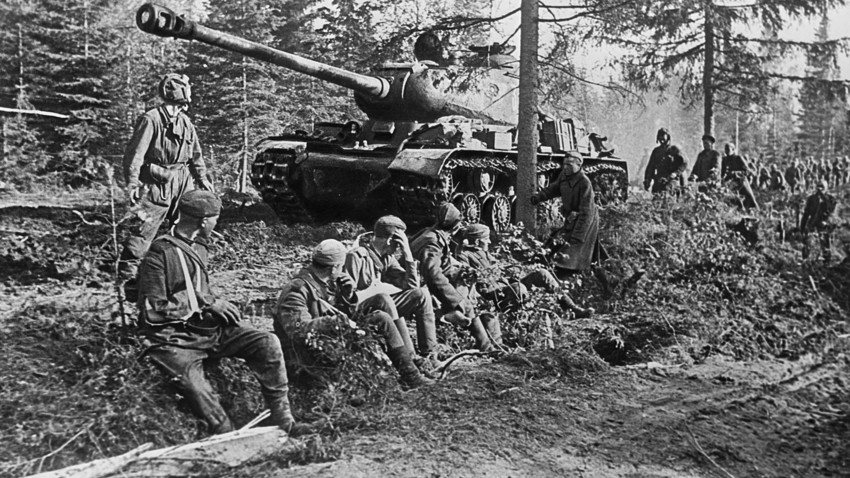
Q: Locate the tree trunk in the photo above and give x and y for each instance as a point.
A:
(243, 166)
(708, 72)
(527, 128)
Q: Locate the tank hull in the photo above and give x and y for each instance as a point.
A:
(307, 180)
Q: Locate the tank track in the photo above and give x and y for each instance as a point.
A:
(417, 196)
(610, 183)
(269, 175)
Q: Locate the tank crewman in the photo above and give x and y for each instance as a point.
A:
(579, 234)
(183, 323)
(374, 264)
(817, 217)
(707, 167)
(666, 165)
(475, 252)
(432, 247)
(320, 296)
(793, 176)
(734, 171)
(160, 163)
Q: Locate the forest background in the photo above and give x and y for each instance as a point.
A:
(86, 59)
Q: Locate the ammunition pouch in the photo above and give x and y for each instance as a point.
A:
(152, 173)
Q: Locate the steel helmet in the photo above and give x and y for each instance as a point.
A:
(175, 88)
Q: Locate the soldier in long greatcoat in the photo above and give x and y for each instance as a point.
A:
(581, 218)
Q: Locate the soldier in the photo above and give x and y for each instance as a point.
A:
(183, 323)
(160, 163)
(321, 296)
(764, 176)
(794, 176)
(432, 247)
(375, 264)
(817, 217)
(581, 218)
(707, 167)
(666, 165)
(777, 181)
(475, 252)
(734, 172)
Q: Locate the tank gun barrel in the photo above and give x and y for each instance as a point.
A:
(161, 21)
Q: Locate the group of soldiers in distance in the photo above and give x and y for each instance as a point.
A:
(666, 170)
(381, 282)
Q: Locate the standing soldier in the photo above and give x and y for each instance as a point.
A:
(817, 217)
(777, 181)
(666, 165)
(183, 323)
(707, 167)
(734, 171)
(160, 163)
(837, 172)
(321, 296)
(432, 247)
(793, 176)
(375, 264)
(581, 218)
(763, 176)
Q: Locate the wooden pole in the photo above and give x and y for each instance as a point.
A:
(527, 128)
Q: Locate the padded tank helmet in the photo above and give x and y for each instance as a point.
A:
(662, 134)
(175, 88)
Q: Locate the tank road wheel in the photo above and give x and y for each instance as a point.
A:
(469, 206)
(497, 213)
(482, 181)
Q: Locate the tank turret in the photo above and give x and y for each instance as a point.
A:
(437, 131)
(417, 91)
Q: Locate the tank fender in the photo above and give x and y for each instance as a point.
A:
(423, 162)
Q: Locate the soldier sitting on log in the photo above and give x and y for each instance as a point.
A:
(374, 266)
(432, 247)
(183, 323)
(321, 297)
(475, 253)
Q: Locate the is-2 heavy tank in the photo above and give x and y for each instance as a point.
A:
(434, 133)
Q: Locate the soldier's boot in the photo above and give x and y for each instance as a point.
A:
(281, 416)
(479, 333)
(456, 318)
(493, 327)
(566, 302)
(222, 427)
(410, 377)
(401, 326)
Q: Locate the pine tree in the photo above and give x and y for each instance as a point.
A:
(820, 119)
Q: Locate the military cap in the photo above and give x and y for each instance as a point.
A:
(329, 252)
(708, 137)
(574, 156)
(476, 231)
(447, 215)
(387, 225)
(199, 203)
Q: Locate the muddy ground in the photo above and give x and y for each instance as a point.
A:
(725, 360)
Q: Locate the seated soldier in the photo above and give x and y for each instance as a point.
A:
(184, 323)
(432, 247)
(475, 252)
(321, 295)
(375, 265)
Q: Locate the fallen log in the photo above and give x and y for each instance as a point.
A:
(192, 459)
